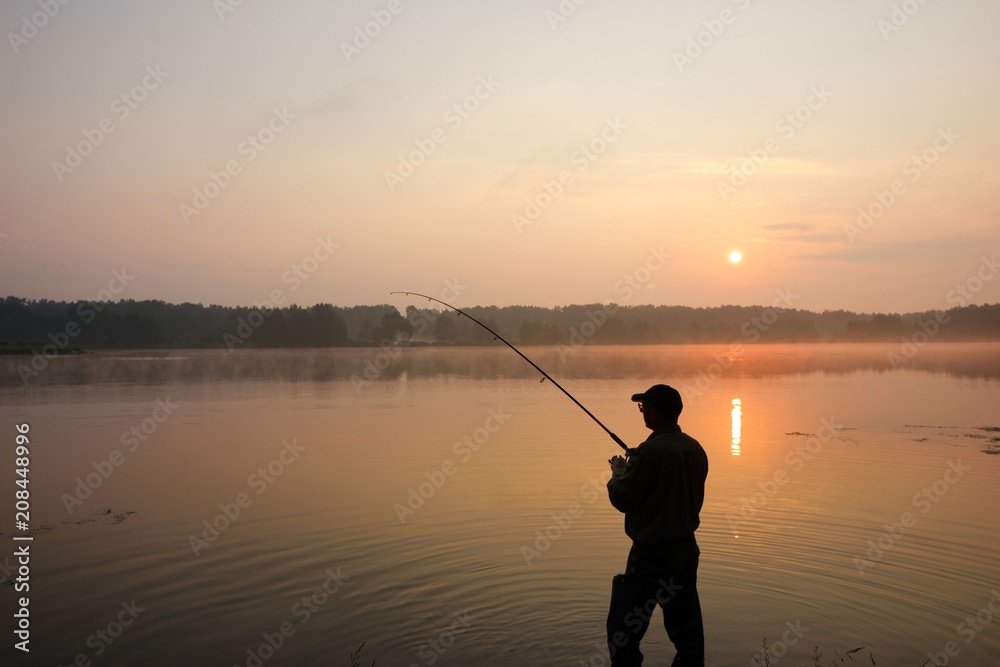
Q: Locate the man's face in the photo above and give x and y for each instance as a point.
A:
(648, 415)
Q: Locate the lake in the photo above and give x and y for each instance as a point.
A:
(445, 507)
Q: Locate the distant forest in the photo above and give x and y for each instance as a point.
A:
(72, 326)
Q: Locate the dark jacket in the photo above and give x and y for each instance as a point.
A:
(662, 489)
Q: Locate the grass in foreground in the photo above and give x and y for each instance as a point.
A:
(356, 657)
(817, 656)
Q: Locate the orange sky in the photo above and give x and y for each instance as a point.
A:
(502, 153)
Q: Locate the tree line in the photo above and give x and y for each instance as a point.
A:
(81, 325)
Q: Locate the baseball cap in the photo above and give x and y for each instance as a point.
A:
(660, 396)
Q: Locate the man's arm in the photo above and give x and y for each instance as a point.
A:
(627, 486)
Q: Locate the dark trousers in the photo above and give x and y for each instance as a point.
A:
(663, 575)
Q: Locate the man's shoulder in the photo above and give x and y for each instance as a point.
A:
(670, 443)
(671, 438)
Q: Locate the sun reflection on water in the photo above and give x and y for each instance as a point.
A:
(737, 425)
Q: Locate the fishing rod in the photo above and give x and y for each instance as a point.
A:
(548, 377)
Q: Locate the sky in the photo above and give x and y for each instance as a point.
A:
(502, 153)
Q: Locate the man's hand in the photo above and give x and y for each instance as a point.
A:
(618, 465)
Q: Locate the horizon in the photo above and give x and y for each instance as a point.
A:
(402, 310)
(639, 154)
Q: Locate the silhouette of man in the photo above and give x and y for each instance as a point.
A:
(660, 488)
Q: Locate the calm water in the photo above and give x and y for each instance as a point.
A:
(492, 462)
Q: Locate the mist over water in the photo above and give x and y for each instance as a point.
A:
(428, 493)
(973, 360)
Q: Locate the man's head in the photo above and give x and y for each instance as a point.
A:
(660, 405)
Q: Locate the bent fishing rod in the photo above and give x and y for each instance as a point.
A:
(548, 377)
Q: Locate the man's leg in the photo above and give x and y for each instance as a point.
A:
(682, 612)
(628, 617)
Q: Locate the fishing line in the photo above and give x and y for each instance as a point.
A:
(546, 376)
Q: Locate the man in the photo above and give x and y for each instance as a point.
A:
(660, 487)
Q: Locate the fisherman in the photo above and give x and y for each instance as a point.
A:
(660, 488)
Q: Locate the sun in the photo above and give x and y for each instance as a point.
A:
(735, 257)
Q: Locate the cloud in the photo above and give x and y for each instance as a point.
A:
(930, 250)
(529, 173)
(797, 232)
(336, 101)
(774, 165)
(819, 237)
(793, 226)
